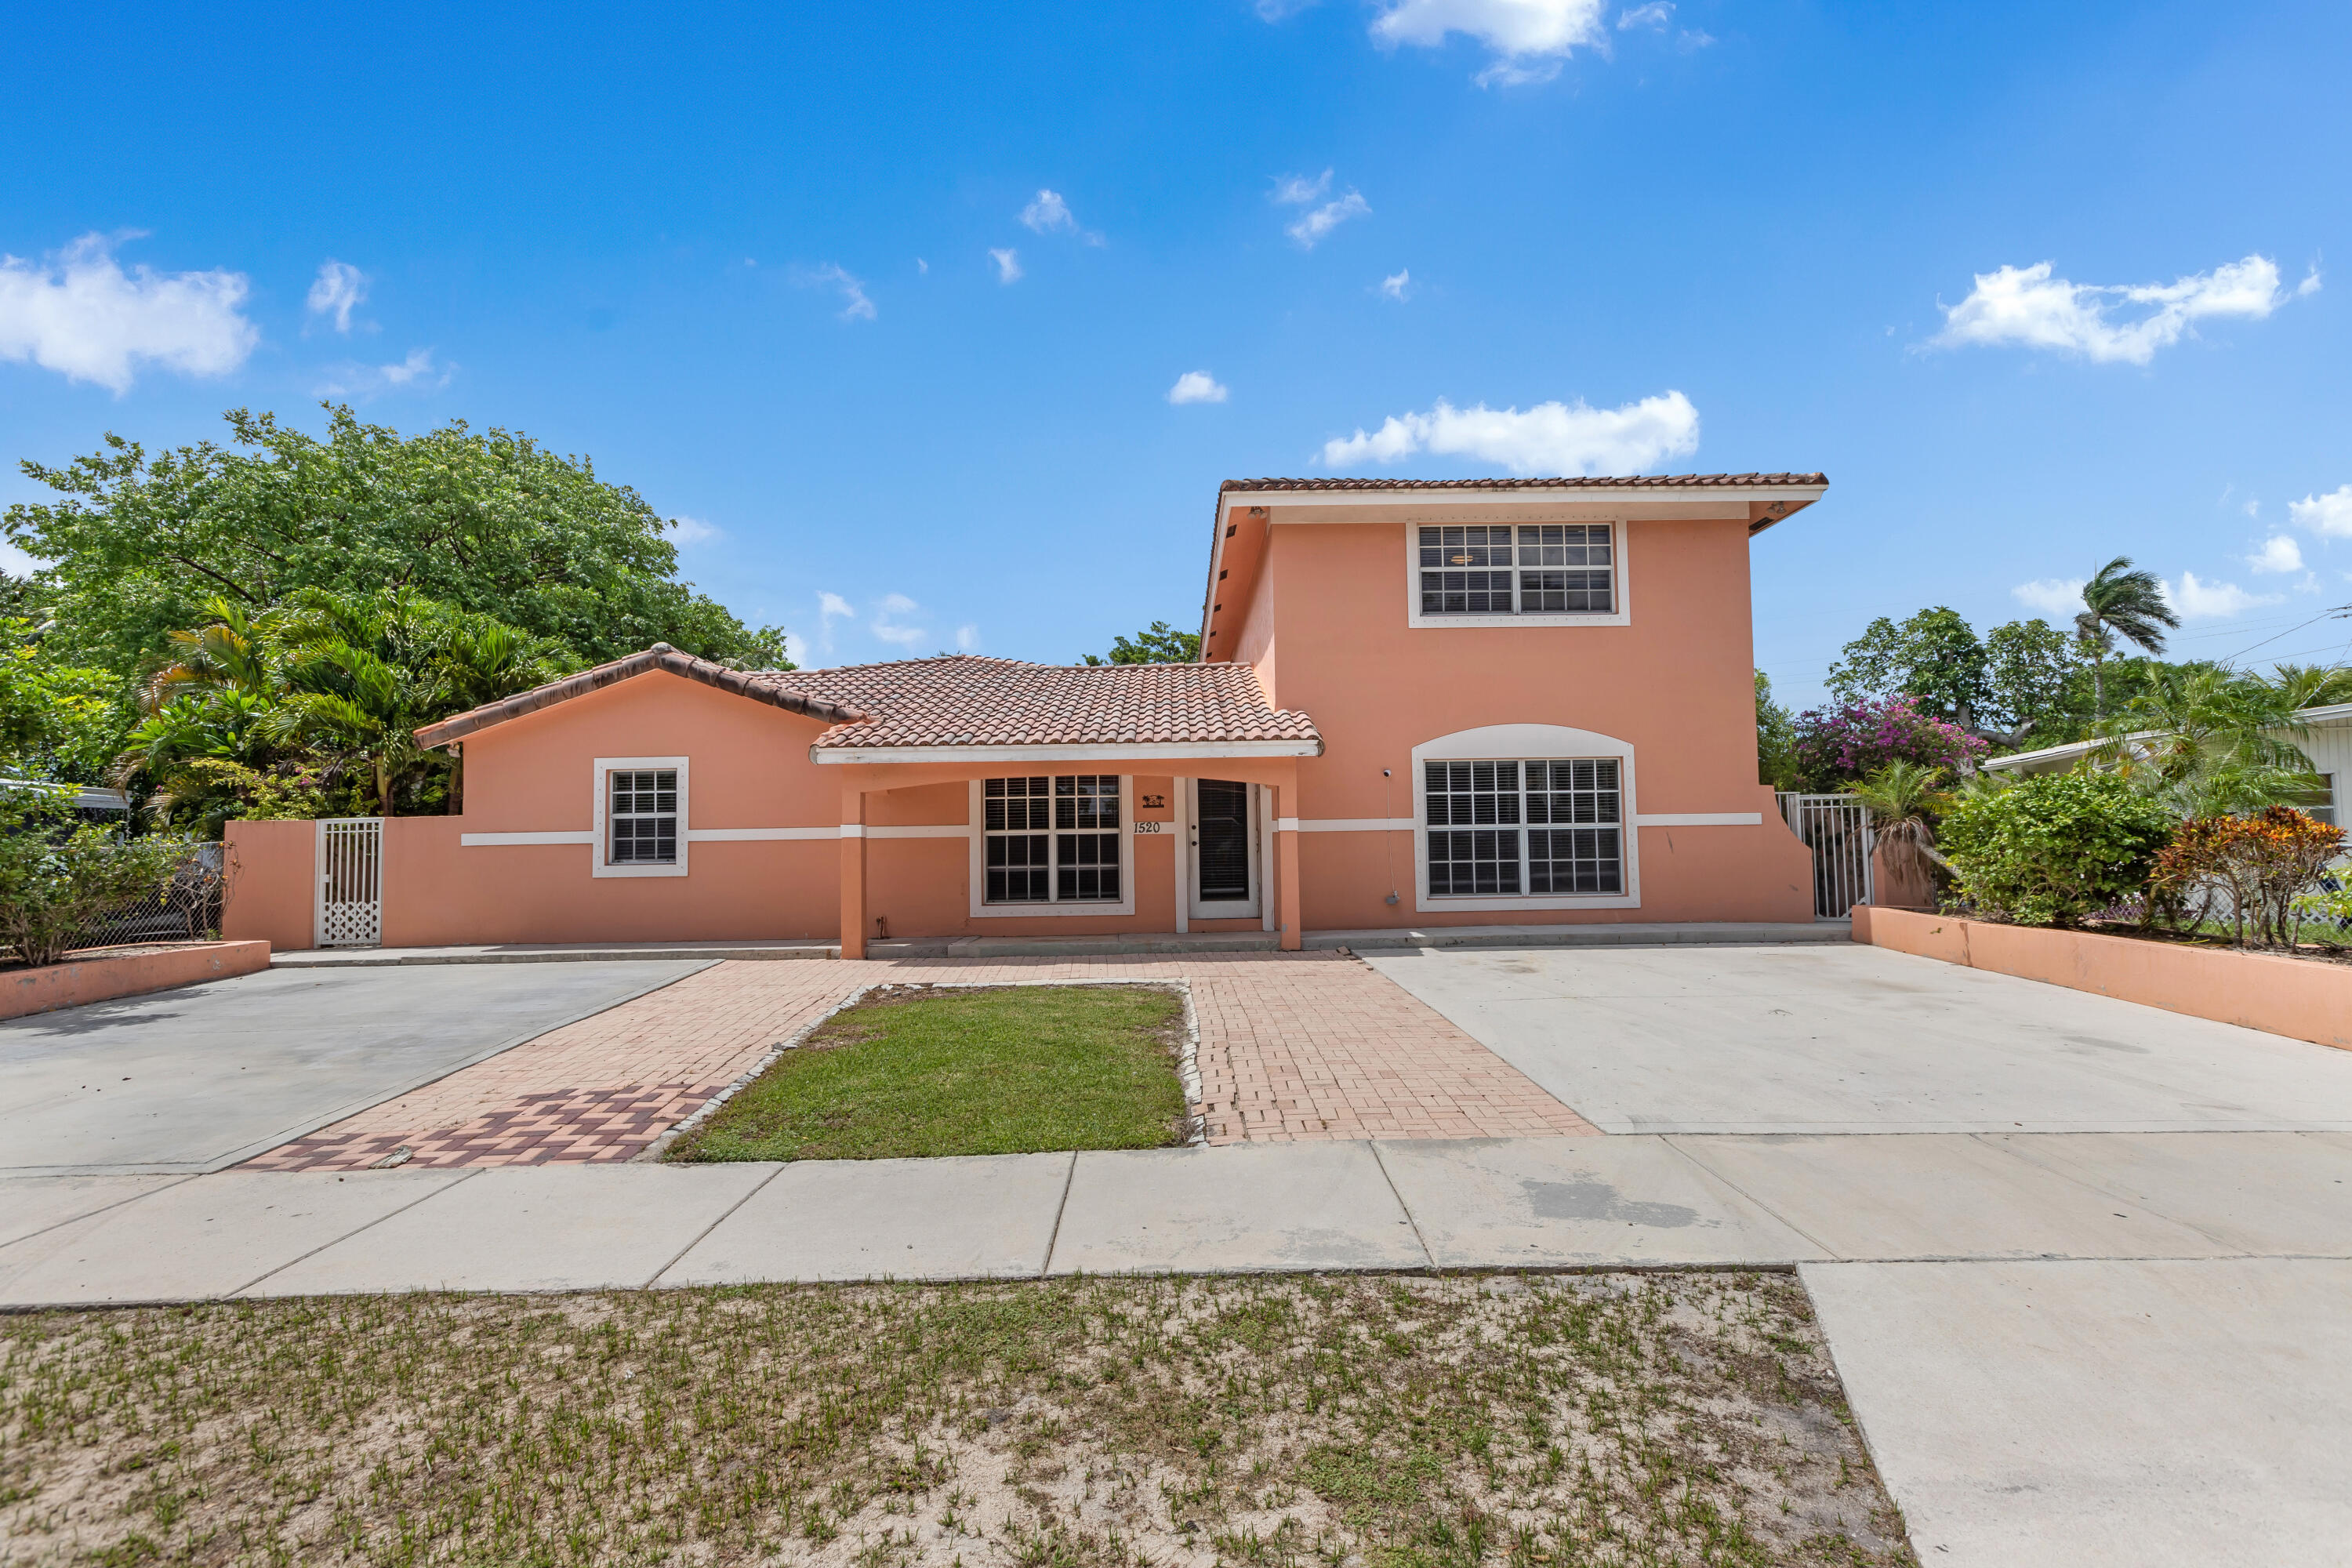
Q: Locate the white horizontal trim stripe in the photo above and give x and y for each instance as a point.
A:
(921, 830)
(474, 840)
(1139, 752)
(1356, 825)
(1699, 820)
(1286, 825)
(851, 830)
(757, 835)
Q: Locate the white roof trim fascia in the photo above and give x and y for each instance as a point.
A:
(2325, 716)
(1520, 497)
(1138, 753)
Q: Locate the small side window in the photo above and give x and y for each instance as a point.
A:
(641, 819)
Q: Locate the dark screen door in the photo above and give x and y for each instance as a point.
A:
(1224, 847)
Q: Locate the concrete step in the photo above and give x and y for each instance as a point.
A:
(1713, 933)
(549, 953)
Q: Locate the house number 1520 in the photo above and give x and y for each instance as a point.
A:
(1149, 826)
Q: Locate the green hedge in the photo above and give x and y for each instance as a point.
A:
(2055, 848)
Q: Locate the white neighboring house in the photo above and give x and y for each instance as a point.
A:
(2327, 742)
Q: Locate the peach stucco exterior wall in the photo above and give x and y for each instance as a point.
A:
(103, 977)
(2300, 998)
(1676, 683)
(273, 893)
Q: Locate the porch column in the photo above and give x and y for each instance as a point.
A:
(853, 873)
(1285, 857)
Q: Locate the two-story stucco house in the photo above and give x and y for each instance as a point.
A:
(1476, 702)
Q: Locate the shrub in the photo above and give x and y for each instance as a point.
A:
(2055, 848)
(58, 877)
(1839, 744)
(2262, 865)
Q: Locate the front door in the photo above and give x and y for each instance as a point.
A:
(1224, 848)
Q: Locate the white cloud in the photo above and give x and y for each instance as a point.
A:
(2199, 601)
(2330, 514)
(830, 607)
(1197, 386)
(1008, 265)
(77, 313)
(1549, 439)
(1049, 213)
(336, 290)
(1312, 226)
(1298, 190)
(888, 621)
(2026, 305)
(854, 305)
(419, 371)
(1528, 38)
(922, 267)
(2278, 554)
(967, 638)
(2310, 284)
(693, 531)
(2050, 595)
(1280, 10)
(1656, 14)
(1397, 285)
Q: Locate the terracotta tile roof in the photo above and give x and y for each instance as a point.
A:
(962, 700)
(661, 656)
(1630, 481)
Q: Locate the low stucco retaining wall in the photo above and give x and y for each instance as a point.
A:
(100, 979)
(2300, 998)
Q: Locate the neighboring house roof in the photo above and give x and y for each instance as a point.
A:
(963, 700)
(931, 707)
(1579, 482)
(661, 656)
(2050, 758)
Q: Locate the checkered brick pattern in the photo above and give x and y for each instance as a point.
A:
(1293, 1045)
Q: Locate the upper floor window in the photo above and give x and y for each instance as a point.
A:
(1052, 839)
(641, 820)
(1525, 569)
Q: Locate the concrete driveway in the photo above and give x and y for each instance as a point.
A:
(1830, 1039)
(195, 1079)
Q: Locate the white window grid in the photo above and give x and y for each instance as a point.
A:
(641, 817)
(1052, 839)
(1524, 569)
(1506, 829)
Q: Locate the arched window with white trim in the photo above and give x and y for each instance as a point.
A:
(1525, 817)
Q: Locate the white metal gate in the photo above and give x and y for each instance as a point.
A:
(1836, 828)
(350, 881)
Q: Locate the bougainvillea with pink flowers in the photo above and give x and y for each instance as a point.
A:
(1838, 745)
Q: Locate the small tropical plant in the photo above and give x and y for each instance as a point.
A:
(2055, 850)
(58, 875)
(2121, 600)
(2262, 867)
(1905, 800)
(2208, 741)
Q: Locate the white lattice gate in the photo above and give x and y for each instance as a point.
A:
(1836, 828)
(350, 881)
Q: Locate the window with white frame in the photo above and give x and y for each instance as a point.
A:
(2323, 803)
(641, 817)
(1528, 569)
(1050, 839)
(1550, 827)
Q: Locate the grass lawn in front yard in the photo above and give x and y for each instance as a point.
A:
(1387, 1421)
(918, 1071)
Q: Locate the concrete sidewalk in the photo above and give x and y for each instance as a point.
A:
(2062, 1348)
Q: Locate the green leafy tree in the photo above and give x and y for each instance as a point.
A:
(1933, 657)
(2121, 600)
(56, 720)
(2208, 741)
(1157, 644)
(1776, 738)
(2055, 850)
(58, 876)
(2035, 674)
(489, 522)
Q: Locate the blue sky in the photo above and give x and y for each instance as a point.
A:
(748, 258)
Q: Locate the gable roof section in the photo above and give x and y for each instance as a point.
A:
(660, 656)
(966, 702)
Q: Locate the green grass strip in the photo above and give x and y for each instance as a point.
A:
(1008, 1071)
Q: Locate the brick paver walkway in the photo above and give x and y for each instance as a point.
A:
(1293, 1045)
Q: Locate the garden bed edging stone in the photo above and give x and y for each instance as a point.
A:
(74, 982)
(2295, 997)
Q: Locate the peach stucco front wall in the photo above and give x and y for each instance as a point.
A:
(2300, 998)
(1676, 683)
(103, 977)
(273, 893)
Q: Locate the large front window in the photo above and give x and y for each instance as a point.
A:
(1539, 568)
(1052, 839)
(1525, 827)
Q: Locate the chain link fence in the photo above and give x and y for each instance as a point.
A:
(184, 906)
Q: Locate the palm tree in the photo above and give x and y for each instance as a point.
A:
(2209, 742)
(1904, 801)
(2121, 599)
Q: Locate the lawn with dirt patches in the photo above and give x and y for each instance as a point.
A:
(1397, 1422)
(918, 1071)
